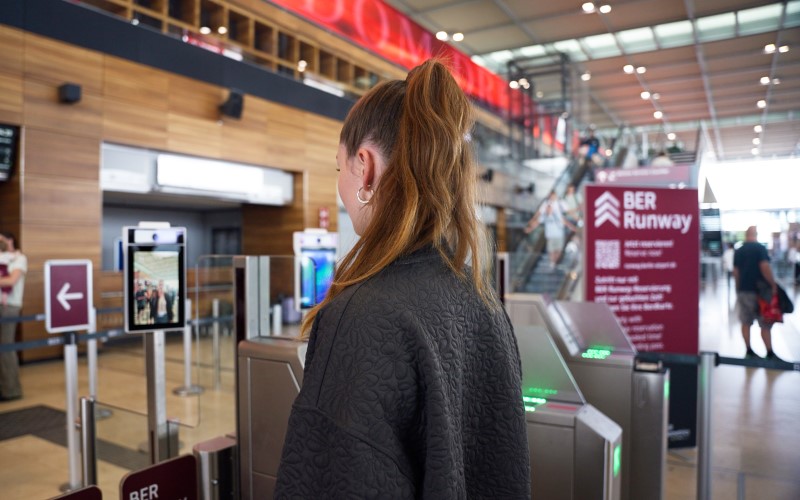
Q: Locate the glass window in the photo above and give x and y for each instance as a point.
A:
(637, 40)
(672, 35)
(600, 46)
(760, 19)
(719, 27)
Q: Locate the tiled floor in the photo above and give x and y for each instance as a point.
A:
(756, 415)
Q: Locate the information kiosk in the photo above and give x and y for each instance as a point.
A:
(603, 361)
(575, 449)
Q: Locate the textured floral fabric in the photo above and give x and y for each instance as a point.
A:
(411, 390)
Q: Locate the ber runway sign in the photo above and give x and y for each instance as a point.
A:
(67, 294)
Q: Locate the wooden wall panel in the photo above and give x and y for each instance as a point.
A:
(55, 241)
(134, 83)
(42, 110)
(61, 156)
(49, 200)
(246, 140)
(195, 99)
(12, 41)
(53, 63)
(134, 125)
(10, 98)
(191, 136)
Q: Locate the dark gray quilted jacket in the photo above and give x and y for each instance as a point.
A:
(411, 390)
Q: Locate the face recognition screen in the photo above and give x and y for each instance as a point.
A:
(316, 275)
(155, 281)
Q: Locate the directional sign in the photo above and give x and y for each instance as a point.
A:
(67, 294)
(171, 479)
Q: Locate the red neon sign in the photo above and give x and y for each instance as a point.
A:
(389, 33)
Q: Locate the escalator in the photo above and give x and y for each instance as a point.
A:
(530, 268)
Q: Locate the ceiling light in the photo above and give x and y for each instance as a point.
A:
(457, 37)
(756, 141)
(783, 49)
(641, 69)
(754, 151)
(514, 84)
(586, 76)
(442, 35)
(757, 129)
(769, 48)
(645, 95)
(588, 7)
(657, 115)
(301, 65)
(628, 68)
(764, 80)
(205, 30)
(656, 96)
(222, 30)
(671, 136)
(762, 104)
(776, 81)
(605, 9)
(135, 21)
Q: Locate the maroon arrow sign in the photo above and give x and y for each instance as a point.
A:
(68, 294)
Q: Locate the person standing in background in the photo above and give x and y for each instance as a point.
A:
(10, 387)
(751, 263)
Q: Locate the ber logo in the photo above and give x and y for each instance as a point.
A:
(606, 208)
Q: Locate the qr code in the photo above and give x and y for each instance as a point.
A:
(606, 254)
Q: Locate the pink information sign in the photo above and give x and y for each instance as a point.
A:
(642, 259)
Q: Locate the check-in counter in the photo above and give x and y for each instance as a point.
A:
(603, 362)
(575, 449)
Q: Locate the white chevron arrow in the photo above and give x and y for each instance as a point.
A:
(608, 198)
(607, 216)
(64, 297)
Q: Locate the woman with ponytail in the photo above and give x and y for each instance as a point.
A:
(412, 377)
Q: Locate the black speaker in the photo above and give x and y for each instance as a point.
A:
(69, 93)
(233, 105)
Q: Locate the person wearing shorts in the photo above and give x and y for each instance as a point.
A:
(750, 264)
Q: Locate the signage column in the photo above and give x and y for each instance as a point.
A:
(642, 259)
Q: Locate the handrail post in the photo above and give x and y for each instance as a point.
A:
(704, 382)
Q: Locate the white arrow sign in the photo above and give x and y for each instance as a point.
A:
(64, 297)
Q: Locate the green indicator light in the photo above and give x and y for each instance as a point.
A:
(530, 409)
(617, 459)
(536, 401)
(666, 389)
(539, 391)
(596, 353)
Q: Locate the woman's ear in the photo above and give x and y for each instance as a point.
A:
(366, 162)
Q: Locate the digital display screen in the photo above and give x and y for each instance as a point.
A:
(155, 282)
(8, 150)
(316, 274)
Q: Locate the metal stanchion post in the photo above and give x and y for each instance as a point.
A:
(91, 361)
(215, 344)
(71, 382)
(88, 442)
(188, 389)
(707, 362)
(157, 427)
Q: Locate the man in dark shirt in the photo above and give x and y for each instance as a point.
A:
(750, 264)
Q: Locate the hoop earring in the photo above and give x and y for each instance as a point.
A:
(361, 200)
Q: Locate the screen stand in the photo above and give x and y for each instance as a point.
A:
(157, 427)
